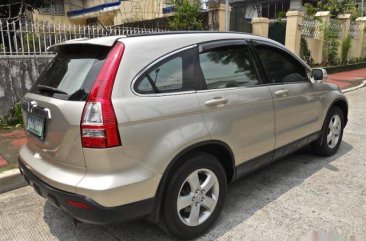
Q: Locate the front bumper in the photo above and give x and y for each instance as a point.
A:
(89, 211)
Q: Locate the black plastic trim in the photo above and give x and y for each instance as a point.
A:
(95, 214)
(294, 146)
(254, 164)
(250, 166)
(203, 47)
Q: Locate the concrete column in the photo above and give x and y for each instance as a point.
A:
(216, 16)
(293, 32)
(361, 46)
(346, 22)
(260, 26)
(316, 45)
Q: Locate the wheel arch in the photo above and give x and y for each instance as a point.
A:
(340, 103)
(217, 148)
(343, 105)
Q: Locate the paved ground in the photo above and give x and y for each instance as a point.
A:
(298, 195)
(348, 79)
(10, 142)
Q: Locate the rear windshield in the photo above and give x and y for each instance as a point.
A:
(72, 73)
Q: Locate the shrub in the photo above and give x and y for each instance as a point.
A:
(12, 118)
(305, 53)
(346, 46)
(330, 49)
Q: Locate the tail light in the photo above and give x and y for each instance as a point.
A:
(99, 128)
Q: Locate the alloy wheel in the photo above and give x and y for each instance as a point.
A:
(334, 131)
(198, 197)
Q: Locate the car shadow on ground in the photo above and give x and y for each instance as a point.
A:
(245, 197)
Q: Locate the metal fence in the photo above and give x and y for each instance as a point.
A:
(354, 30)
(335, 26)
(24, 37)
(311, 28)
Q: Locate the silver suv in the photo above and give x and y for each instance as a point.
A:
(156, 126)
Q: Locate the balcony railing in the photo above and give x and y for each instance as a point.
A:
(52, 10)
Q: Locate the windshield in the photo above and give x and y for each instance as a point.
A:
(72, 73)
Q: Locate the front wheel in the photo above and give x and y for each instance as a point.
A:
(194, 196)
(331, 138)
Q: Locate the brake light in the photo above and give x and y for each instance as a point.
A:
(99, 128)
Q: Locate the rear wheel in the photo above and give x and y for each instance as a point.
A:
(331, 138)
(194, 196)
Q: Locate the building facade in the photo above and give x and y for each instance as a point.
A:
(107, 12)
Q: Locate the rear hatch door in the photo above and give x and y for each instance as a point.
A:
(53, 108)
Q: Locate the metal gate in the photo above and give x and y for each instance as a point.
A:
(238, 22)
(277, 31)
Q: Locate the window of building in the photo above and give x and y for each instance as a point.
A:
(273, 10)
(92, 21)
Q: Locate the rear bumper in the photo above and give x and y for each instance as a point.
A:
(91, 212)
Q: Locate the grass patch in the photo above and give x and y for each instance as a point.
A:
(10, 166)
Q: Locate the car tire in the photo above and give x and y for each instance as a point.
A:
(188, 209)
(331, 137)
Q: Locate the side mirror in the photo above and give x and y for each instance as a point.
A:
(319, 75)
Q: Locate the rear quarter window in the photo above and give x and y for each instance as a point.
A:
(171, 74)
(73, 71)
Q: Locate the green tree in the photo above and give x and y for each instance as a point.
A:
(335, 7)
(11, 9)
(187, 16)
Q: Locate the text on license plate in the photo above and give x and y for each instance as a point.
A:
(35, 125)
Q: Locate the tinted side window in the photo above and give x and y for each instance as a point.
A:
(171, 75)
(229, 66)
(280, 67)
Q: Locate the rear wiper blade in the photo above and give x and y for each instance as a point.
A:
(51, 89)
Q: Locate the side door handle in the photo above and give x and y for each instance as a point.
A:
(216, 101)
(281, 93)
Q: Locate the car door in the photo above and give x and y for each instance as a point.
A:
(236, 108)
(297, 111)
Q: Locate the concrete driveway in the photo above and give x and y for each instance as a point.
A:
(298, 196)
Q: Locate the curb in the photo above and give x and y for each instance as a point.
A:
(10, 180)
(363, 84)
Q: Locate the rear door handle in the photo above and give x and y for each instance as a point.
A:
(281, 93)
(216, 101)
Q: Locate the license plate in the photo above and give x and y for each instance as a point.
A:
(35, 125)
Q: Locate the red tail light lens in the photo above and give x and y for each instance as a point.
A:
(99, 127)
(77, 204)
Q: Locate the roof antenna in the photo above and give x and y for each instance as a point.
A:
(108, 32)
